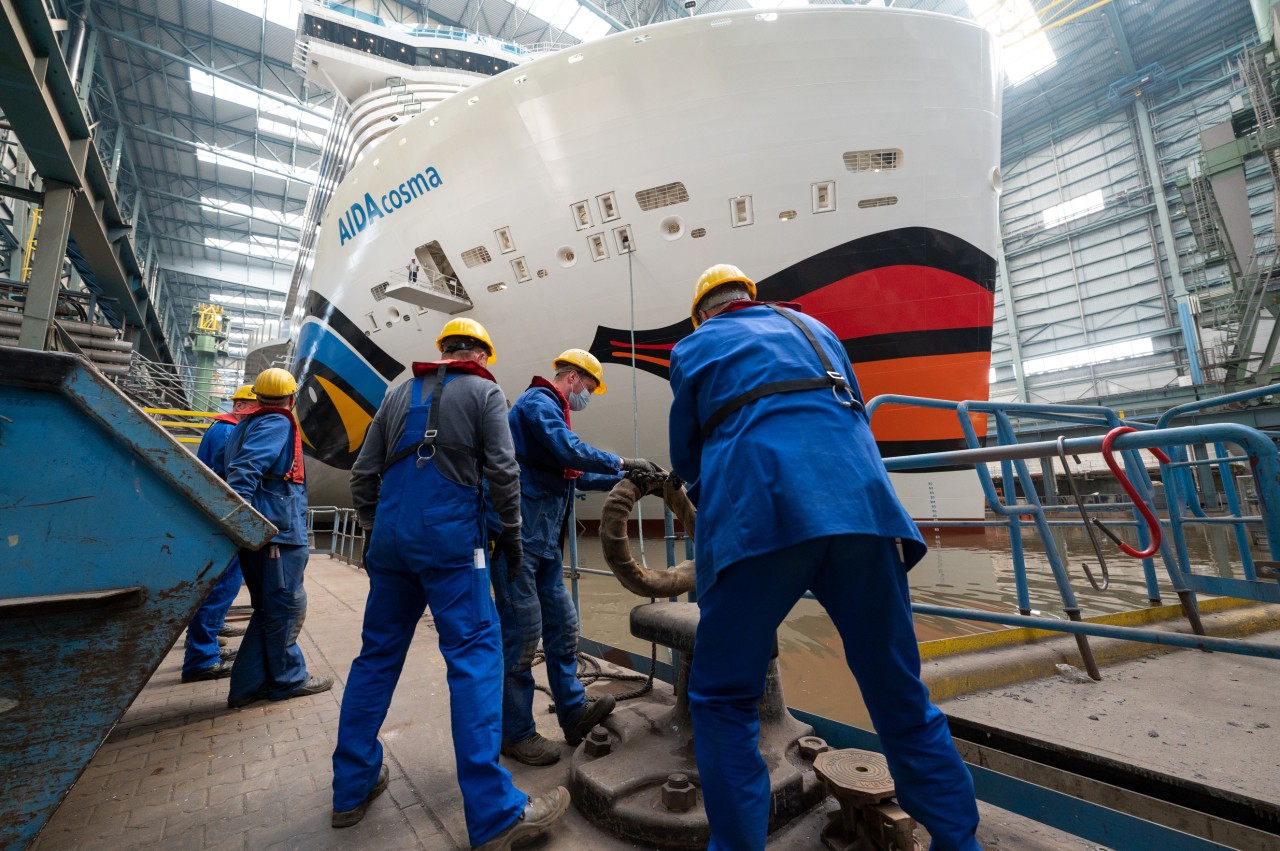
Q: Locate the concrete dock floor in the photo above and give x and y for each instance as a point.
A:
(182, 771)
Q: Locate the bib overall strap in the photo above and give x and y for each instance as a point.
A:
(428, 441)
(832, 379)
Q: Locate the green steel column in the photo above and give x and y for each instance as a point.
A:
(46, 269)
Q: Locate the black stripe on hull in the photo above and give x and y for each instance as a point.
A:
(915, 246)
(324, 310)
(918, 344)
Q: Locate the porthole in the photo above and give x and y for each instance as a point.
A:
(567, 256)
(671, 228)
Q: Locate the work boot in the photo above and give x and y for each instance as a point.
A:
(539, 814)
(347, 818)
(313, 685)
(591, 715)
(535, 750)
(228, 653)
(231, 631)
(218, 670)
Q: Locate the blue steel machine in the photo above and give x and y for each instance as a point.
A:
(111, 533)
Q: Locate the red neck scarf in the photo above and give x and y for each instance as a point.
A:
(744, 303)
(227, 418)
(421, 368)
(539, 381)
(297, 473)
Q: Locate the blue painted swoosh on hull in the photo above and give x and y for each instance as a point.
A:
(318, 343)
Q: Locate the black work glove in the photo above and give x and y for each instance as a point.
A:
(364, 548)
(641, 469)
(509, 546)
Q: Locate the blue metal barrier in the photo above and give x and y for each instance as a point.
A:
(1183, 507)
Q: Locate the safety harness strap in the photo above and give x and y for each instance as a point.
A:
(832, 379)
(433, 421)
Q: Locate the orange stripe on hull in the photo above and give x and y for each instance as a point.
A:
(958, 377)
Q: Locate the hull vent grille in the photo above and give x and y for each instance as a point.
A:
(380, 291)
(477, 256)
(883, 159)
(886, 201)
(665, 195)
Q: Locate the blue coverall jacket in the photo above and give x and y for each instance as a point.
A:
(783, 439)
(211, 446)
(545, 448)
(256, 472)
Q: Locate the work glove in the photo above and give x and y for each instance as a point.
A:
(509, 546)
(642, 471)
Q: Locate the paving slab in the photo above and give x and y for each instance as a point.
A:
(182, 771)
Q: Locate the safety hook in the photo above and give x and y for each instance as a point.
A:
(1153, 525)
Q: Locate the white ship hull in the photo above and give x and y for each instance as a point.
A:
(846, 158)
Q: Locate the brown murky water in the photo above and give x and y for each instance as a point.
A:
(965, 569)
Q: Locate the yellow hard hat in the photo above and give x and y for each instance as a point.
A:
(467, 328)
(274, 382)
(586, 362)
(717, 276)
(244, 392)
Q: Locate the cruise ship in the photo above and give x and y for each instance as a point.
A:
(847, 158)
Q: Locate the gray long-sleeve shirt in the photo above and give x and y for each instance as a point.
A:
(474, 440)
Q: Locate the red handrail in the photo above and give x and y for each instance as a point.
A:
(1153, 525)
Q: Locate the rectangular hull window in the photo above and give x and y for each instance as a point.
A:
(505, 244)
(824, 196)
(622, 236)
(599, 251)
(740, 214)
(608, 207)
(521, 269)
(581, 215)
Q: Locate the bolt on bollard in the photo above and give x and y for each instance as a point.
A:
(598, 743)
(811, 746)
(678, 793)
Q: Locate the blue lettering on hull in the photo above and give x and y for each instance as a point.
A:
(353, 221)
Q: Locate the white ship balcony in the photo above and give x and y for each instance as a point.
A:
(432, 290)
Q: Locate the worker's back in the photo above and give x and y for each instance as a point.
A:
(786, 467)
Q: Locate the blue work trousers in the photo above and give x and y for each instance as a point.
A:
(269, 663)
(202, 633)
(471, 645)
(860, 581)
(537, 606)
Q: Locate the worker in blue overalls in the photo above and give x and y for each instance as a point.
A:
(416, 486)
(534, 603)
(204, 659)
(264, 466)
(768, 426)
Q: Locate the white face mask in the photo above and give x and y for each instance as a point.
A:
(578, 401)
